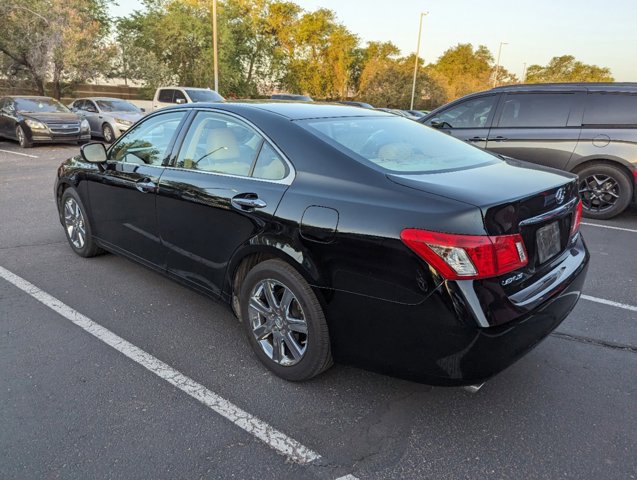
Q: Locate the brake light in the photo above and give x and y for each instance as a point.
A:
(464, 257)
(577, 218)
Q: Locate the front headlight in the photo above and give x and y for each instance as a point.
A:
(122, 121)
(84, 125)
(34, 124)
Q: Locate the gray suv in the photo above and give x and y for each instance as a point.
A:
(586, 128)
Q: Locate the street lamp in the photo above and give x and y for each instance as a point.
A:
(413, 86)
(214, 44)
(497, 65)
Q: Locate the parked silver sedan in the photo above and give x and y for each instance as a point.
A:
(108, 117)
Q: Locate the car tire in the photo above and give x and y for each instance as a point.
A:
(291, 319)
(605, 190)
(21, 135)
(76, 225)
(108, 133)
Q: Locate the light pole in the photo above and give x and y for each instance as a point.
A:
(413, 86)
(497, 65)
(214, 44)
(524, 73)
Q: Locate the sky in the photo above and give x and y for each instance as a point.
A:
(599, 33)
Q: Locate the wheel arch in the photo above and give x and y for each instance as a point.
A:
(259, 250)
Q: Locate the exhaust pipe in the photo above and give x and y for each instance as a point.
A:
(473, 388)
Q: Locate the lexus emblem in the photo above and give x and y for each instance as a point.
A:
(559, 196)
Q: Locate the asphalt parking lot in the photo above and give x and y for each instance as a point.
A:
(111, 371)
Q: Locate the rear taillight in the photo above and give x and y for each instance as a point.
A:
(577, 218)
(464, 257)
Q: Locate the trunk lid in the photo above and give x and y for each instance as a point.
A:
(514, 197)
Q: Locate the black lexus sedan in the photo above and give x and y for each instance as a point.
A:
(32, 120)
(338, 233)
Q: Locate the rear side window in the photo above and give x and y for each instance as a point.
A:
(610, 109)
(166, 96)
(536, 110)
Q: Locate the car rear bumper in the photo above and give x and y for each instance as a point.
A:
(442, 341)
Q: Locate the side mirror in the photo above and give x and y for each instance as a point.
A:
(94, 152)
(143, 110)
(437, 123)
(179, 101)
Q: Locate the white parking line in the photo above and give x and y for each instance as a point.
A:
(18, 153)
(277, 440)
(610, 227)
(611, 303)
(348, 477)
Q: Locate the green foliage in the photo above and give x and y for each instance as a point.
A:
(567, 69)
(50, 39)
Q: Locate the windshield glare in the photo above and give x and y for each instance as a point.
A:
(198, 96)
(398, 144)
(39, 105)
(117, 106)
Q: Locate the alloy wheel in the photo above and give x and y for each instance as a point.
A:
(108, 134)
(20, 135)
(74, 223)
(599, 192)
(278, 322)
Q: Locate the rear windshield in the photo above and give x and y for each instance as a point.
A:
(398, 144)
(201, 96)
(117, 106)
(39, 105)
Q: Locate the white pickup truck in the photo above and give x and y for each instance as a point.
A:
(167, 96)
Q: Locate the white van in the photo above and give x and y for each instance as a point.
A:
(167, 96)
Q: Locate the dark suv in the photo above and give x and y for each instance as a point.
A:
(586, 128)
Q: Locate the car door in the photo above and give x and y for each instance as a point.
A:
(122, 196)
(4, 120)
(539, 127)
(94, 117)
(220, 192)
(469, 120)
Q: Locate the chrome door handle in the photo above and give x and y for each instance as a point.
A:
(498, 139)
(145, 185)
(249, 201)
(477, 139)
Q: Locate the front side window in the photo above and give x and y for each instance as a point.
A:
(470, 114)
(166, 95)
(90, 106)
(179, 95)
(536, 110)
(610, 109)
(221, 144)
(398, 144)
(147, 143)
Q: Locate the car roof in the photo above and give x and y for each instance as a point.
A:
(574, 86)
(292, 110)
(103, 98)
(184, 88)
(29, 97)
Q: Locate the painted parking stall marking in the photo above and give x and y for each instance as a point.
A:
(19, 153)
(610, 227)
(290, 448)
(610, 303)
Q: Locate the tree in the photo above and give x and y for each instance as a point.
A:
(567, 69)
(51, 38)
(387, 81)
